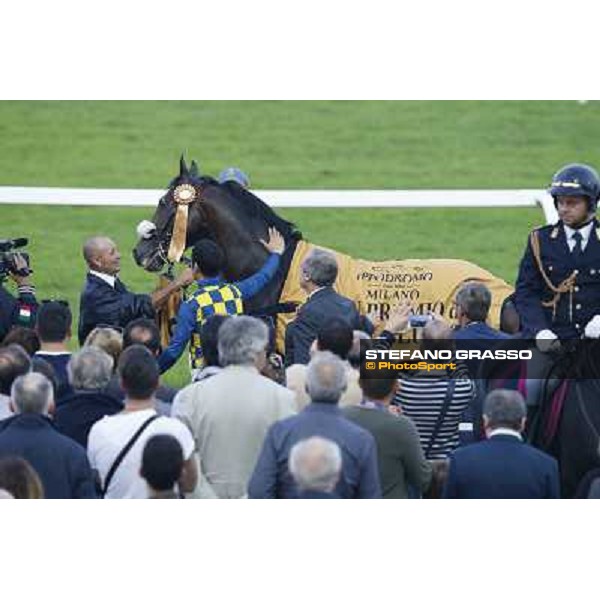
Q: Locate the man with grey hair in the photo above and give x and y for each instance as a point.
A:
(105, 300)
(60, 462)
(315, 465)
(325, 381)
(90, 371)
(229, 413)
(503, 466)
(318, 273)
(473, 301)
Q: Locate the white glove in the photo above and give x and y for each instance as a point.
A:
(547, 340)
(592, 329)
(145, 230)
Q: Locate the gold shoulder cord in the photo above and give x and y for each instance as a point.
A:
(563, 287)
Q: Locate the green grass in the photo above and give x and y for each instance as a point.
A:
(297, 144)
(294, 145)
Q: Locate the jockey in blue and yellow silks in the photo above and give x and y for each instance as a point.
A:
(215, 296)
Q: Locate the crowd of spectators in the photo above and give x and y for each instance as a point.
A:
(99, 423)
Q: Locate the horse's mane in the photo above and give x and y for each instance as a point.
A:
(255, 209)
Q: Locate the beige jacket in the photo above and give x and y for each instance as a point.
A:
(228, 415)
(295, 380)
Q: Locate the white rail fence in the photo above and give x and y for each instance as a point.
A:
(297, 198)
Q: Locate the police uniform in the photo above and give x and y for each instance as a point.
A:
(558, 286)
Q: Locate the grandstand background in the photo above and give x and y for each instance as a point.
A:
(291, 145)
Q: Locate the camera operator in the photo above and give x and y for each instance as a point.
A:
(22, 309)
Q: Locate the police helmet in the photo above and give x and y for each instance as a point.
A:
(576, 180)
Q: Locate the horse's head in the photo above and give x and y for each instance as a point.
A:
(196, 207)
(164, 238)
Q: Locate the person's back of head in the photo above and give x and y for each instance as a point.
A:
(54, 320)
(242, 341)
(234, 174)
(162, 462)
(14, 361)
(108, 339)
(326, 378)
(504, 408)
(358, 336)
(208, 258)
(144, 332)
(32, 393)
(320, 267)
(90, 369)
(24, 337)
(377, 388)
(315, 464)
(473, 301)
(138, 373)
(209, 339)
(39, 365)
(20, 479)
(510, 321)
(336, 337)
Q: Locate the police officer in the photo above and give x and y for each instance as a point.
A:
(558, 286)
(22, 309)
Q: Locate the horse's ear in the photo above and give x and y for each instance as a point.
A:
(183, 170)
(194, 169)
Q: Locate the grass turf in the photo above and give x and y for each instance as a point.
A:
(294, 145)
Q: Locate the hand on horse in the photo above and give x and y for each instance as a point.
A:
(276, 243)
(186, 277)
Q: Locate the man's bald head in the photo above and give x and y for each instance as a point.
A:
(101, 254)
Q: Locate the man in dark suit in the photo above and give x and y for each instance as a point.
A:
(473, 302)
(105, 300)
(60, 462)
(558, 286)
(503, 466)
(317, 276)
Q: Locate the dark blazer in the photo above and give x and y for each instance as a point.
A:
(479, 331)
(78, 412)
(101, 304)
(61, 463)
(324, 305)
(559, 263)
(360, 474)
(501, 467)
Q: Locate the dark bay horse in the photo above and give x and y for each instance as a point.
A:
(563, 399)
(231, 216)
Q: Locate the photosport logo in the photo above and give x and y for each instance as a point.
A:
(409, 357)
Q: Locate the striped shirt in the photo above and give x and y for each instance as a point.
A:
(421, 398)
